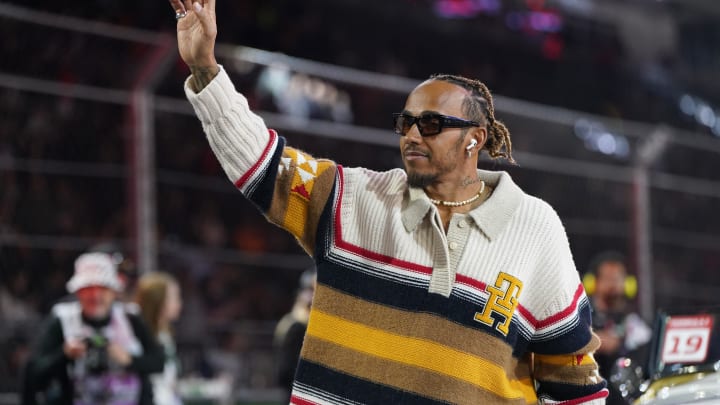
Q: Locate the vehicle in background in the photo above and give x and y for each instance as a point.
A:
(681, 365)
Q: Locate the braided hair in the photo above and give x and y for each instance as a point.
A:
(479, 107)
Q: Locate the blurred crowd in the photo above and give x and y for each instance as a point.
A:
(212, 240)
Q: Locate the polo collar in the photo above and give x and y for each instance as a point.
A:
(492, 216)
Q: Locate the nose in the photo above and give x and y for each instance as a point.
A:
(413, 134)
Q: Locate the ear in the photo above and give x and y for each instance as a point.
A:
(480, 135)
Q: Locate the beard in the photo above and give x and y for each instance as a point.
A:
(421, 180)
(441, 166)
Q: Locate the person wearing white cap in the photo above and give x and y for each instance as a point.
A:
(95, 350)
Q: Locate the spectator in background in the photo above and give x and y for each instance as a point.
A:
(94, 350)
(290, 331)
(14, 310)
(620, 329)
(160, 301)
(18, 319)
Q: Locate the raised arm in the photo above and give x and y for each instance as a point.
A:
(196, 33)
(290, 187)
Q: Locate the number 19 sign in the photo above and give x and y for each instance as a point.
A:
(686, 339)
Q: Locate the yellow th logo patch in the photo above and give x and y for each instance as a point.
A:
(503, 300)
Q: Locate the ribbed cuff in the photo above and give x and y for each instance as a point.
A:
(215, 99)
(236, 135)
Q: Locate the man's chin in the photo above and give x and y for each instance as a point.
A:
(420, 180)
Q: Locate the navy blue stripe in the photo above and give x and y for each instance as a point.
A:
(261, 191)
(359, 390)
(413, 299)
(571, 340)
(564, 392)
(325, 223)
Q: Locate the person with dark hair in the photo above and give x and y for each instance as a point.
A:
(94, 350)
(440, 283)
(621, 330)
(290, 330)
(158, 296)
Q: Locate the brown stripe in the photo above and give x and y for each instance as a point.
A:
(420, 325)
(318, 198)
(408, 378)
(591, 347)
(571, 373)
(283, 182)
(577, 375)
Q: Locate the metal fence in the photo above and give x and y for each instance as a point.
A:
(99, 144)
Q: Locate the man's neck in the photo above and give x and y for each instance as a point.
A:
(455, 190)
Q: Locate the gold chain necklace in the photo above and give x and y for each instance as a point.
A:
(463, 202)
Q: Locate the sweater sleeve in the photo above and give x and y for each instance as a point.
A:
(563, 344)
(237, 136)
(289, 186)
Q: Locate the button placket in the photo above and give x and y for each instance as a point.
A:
(443, 275)
(457, 236)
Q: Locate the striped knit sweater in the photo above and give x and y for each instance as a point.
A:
(491, 312)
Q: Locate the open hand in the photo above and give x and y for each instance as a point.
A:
(196, 33)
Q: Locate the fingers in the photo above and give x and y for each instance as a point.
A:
(187, 4)
(178, 6)
(200, 12)
(204, 14)
(210, 5)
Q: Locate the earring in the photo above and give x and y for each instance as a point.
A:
(470, 147)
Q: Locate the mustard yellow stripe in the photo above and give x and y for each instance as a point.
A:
(296, 215)
(565, 359)
(419, 353)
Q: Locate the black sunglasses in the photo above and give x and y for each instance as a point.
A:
(429, 123)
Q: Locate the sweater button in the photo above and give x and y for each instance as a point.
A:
(462, 223)
(453, 245)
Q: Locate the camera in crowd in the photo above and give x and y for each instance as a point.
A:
(96, 355)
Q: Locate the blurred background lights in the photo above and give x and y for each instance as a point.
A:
(466, 8)
(703, 112)
(705, 115)
(687, 104)
(538, 21)
(599, 139)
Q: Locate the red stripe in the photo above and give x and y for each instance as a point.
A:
(598, 395)
(362, 252)
(299, 401)
(245, 177)
(463, 279)
(537, 324)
